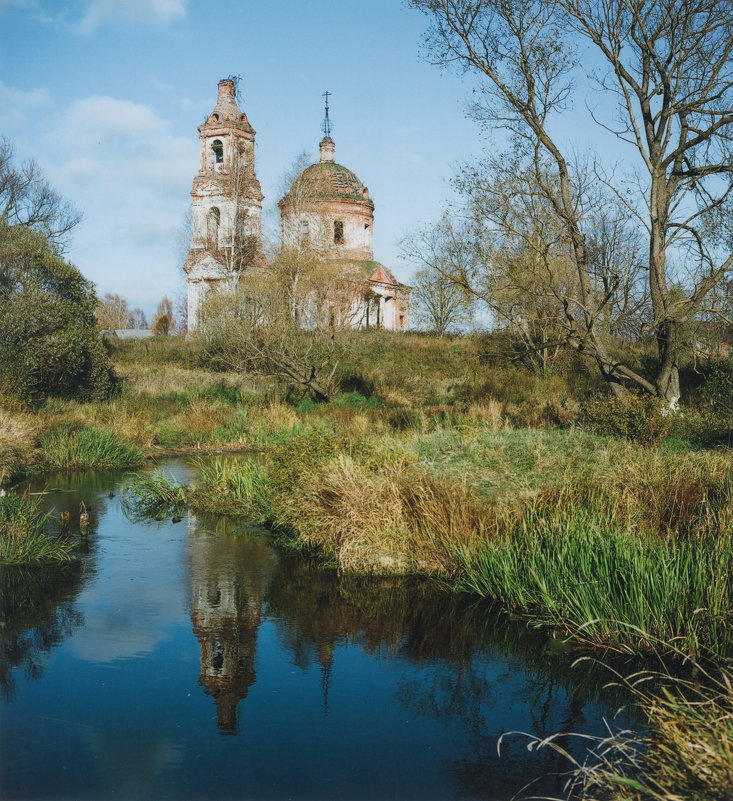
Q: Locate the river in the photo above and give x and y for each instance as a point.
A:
(192, 660)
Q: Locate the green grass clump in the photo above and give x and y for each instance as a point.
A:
(232, 486)
(24, 533)
(157, 496)
(68, 447)
(586, 572)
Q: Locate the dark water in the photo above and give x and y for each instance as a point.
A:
(190, 660)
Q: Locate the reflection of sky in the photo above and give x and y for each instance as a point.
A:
(119, 712)
(132, 604)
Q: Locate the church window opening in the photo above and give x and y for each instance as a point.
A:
(304, 229)
(338, 232)
(212, 227)
(218, 149)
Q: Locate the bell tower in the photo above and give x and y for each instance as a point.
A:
(226, 209)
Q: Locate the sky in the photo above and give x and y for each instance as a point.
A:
(106, 95)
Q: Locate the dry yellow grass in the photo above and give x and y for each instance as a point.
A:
(17, 441)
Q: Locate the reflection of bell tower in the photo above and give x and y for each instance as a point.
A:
(227, 596)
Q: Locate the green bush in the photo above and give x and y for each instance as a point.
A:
(306, 407)
(639, 418)
(718, 387)
(49, 343)
(355, 400)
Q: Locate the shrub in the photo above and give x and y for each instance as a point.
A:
(718, 388)
(49, 342)
(639, 418)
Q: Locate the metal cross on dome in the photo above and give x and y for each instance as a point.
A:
(327, 125)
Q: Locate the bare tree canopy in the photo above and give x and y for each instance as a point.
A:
(440, 300)
(669, 79)
(112, 312)
(27, 199)
(287, 320)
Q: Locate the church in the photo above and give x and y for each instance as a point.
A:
(326, 205)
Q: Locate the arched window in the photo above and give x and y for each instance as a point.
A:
(212, 227)
(304, 228)
(218, 149)
(338, 232)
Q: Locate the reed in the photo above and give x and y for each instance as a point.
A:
(156, 496)
(24, 533)
(68, 447)
(232, 486)
(686, 751)
(593, 574)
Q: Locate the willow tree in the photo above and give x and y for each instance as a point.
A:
(666, 93)
(287, 320)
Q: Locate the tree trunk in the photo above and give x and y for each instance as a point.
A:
(668, 378)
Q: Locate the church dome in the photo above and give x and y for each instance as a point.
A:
(327, 180)
(330, 180)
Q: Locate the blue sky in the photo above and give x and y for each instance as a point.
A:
(107, 94)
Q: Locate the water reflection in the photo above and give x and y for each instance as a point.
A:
(37, 613)
(168, 635)
(228, 577)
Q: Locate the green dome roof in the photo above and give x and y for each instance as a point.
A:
(329, 180)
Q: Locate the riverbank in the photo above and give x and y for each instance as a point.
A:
(438, 458)
(570, 528)
(609, 524)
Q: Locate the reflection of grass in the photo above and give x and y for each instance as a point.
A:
(686, 753)
(23, 533)
(155, 496)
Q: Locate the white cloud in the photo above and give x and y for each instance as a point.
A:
(107, 121)
(132, 11)
(16, 103)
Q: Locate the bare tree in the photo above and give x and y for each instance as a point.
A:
(272, 324)
(139, 319)
(28, 200)
(439, 299)
(112, 313)
(671, 72)
(523, 267)
(438, 303)
(164, 323)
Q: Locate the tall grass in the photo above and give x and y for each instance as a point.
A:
(155, 496)
(583, 571)
(232, 486)
(24, 533)
(69, 447)
(686, 752)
